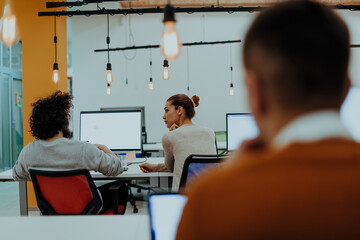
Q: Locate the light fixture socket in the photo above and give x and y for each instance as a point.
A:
(108, 85)
(166, 63)
(108, 66)
(55, 66)
(151, 80)
(169, 13)
(231, 85)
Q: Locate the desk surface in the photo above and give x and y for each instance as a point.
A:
(76, 227)
(133, 172)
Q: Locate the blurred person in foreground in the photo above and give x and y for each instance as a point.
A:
(299, 179)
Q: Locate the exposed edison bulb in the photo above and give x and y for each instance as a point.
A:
(170, 41)
(166, 74)
(151, 85)
(108, 89)
(55, 76)
(109, 75)
(231, 92)
(9, 31)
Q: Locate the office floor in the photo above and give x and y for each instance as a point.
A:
(9, 202)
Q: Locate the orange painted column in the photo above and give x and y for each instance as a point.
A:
(37, 35)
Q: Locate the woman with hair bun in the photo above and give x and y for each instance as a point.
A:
(183, 139)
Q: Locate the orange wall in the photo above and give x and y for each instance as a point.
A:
(37, 35)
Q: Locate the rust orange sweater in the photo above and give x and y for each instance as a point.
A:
(304, 191)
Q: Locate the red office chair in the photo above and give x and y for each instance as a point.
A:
(69, 192)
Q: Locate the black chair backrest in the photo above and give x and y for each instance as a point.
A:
(65, 192)
(196, 164)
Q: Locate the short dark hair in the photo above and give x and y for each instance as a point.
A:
(300, 51)
(185, 102)
(51, 115)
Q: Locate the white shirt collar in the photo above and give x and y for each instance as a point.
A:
(312, 127)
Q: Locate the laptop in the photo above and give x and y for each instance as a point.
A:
(165, 212)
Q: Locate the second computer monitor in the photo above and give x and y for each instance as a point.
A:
(239, 127)
(350, 112)
(118, 130)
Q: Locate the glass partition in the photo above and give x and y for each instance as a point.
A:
(11, 126)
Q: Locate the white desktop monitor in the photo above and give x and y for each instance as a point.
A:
(350, 112)
(239, 127)
(165, 212)
(119, 130)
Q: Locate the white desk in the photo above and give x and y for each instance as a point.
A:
(135, 227)
(157, 179)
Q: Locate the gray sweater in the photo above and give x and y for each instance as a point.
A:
(64, 154)
(182, 142)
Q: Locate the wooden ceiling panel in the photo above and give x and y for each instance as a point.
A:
(223, 3)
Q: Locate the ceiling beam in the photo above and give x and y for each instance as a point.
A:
(141, 11)
(218, 3)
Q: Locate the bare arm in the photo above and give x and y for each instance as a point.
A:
(169, 155)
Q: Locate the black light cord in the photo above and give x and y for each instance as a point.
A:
(188, 71)
(55, 39)
(108, 38)
(150, 64)
(231, 67)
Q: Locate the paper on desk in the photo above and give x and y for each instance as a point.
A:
(130, 156)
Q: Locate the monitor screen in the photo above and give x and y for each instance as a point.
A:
(118, 130)
(128, 108)
(239, 127)
(350, 112)
(165, 212)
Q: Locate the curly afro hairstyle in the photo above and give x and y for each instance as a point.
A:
(51, 115)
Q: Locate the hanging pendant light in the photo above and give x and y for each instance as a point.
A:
(166, 74)
(9, 29)
(109, 75)
(55, 75)
(170, 40)
(151, 84)
(231, 91)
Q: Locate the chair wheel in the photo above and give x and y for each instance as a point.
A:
(135, 210)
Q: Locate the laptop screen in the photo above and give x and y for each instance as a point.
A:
(165, 213)
(118, 130)
(239, 127)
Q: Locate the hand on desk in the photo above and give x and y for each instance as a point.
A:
(148, 167)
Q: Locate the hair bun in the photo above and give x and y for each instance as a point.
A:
(196, 100)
